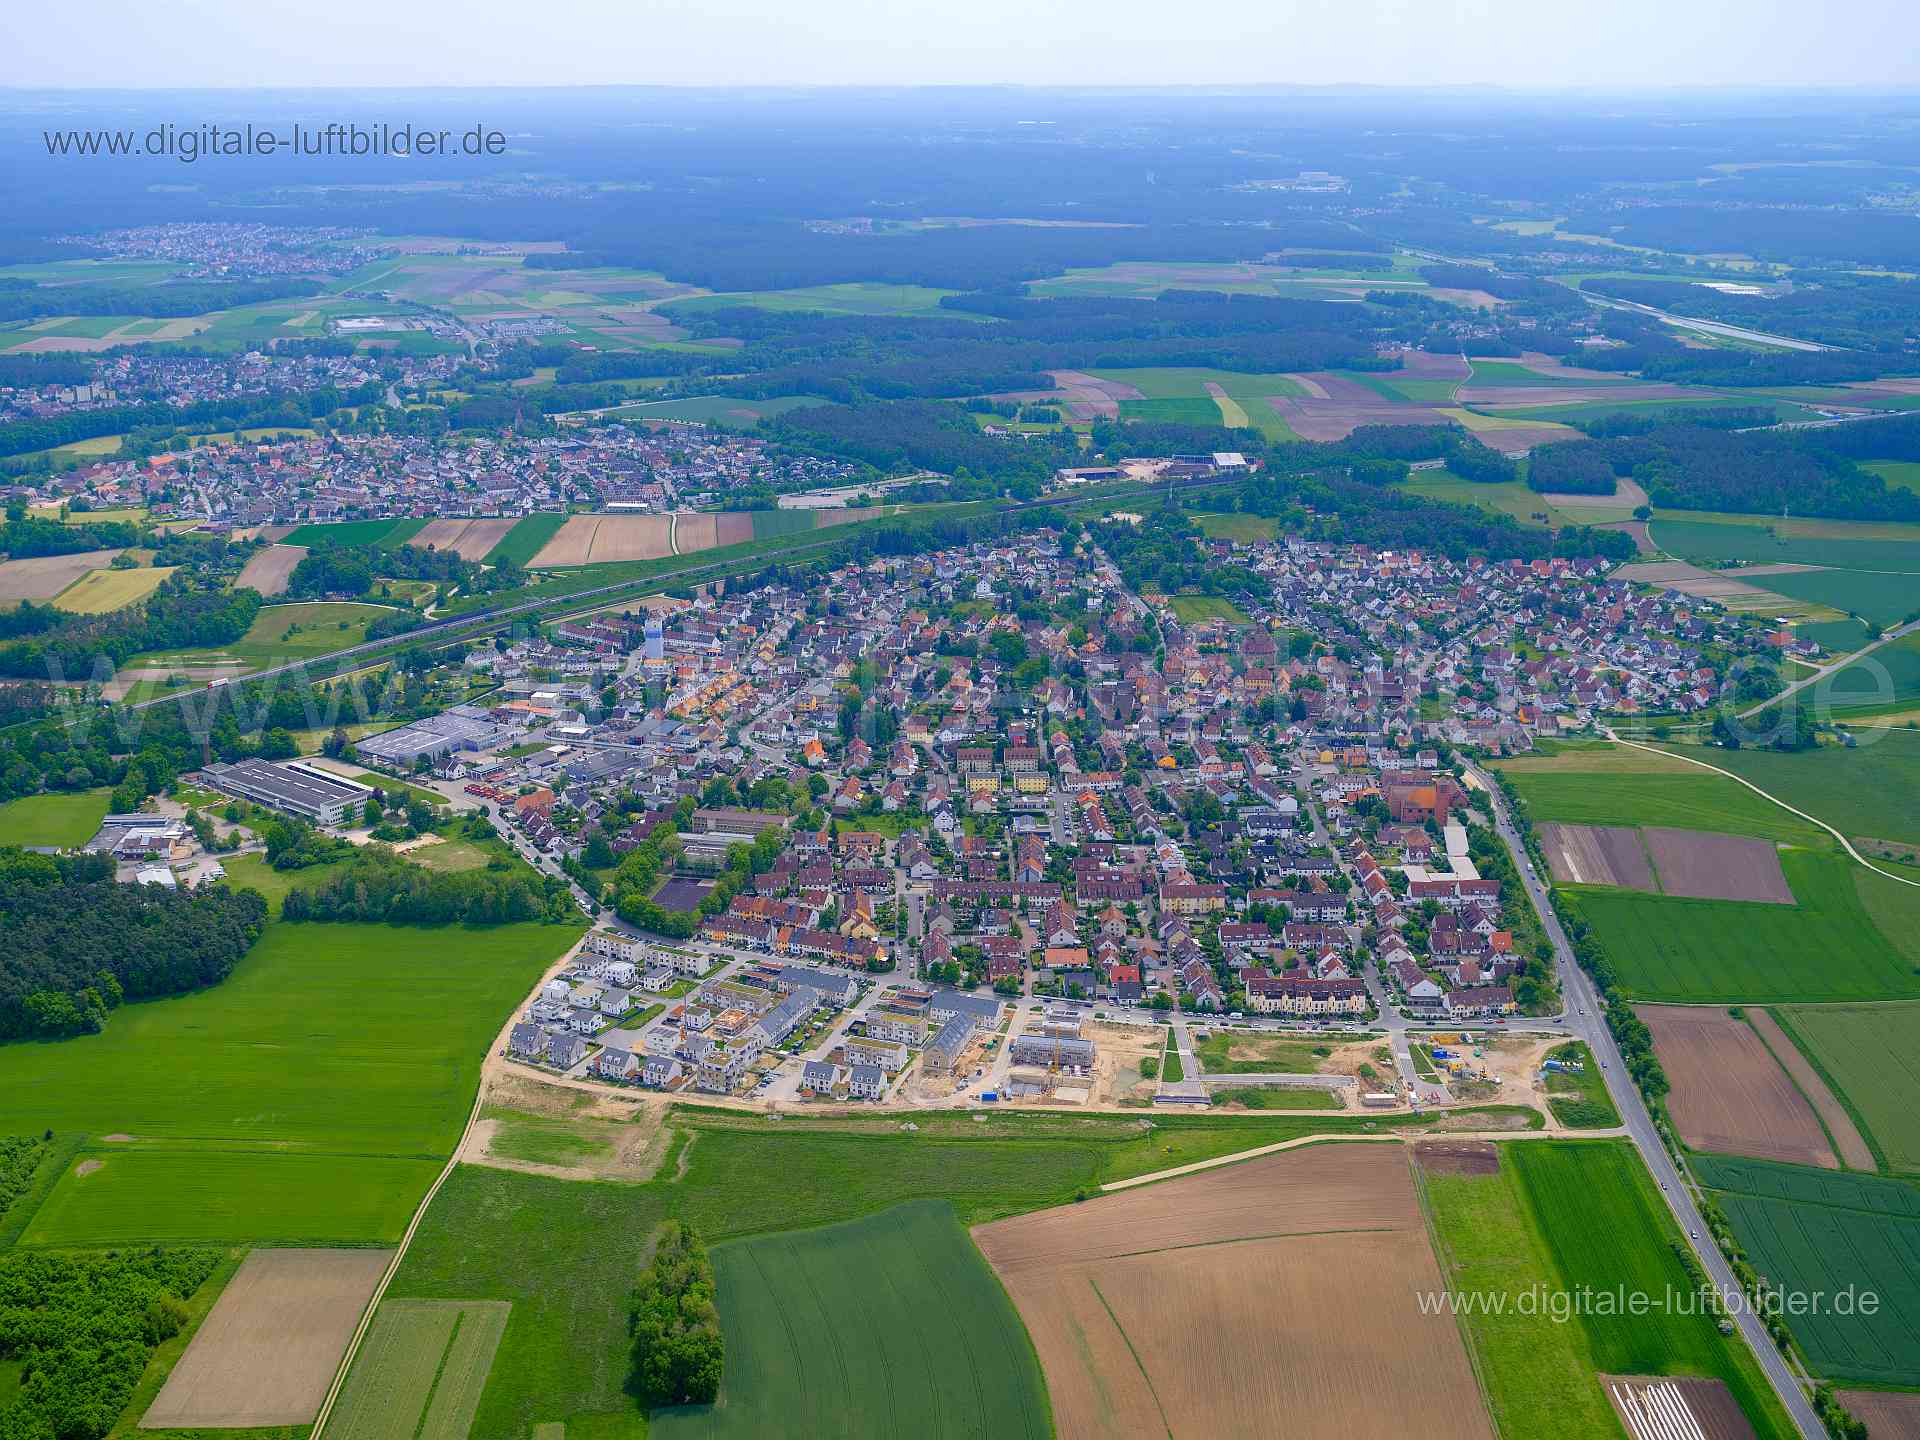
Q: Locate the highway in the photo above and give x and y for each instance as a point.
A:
(1584, 1018)
(1708, 327)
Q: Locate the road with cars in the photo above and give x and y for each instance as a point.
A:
(1586, 1019)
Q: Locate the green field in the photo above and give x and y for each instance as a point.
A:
(1692, 799)
(289, 1103)
(1867, 790)
(1852, 935)
(1538, 1376)
(356, 532)
(1183, 410)
(1888, 675)
(868, 1328)
(1246, 529)
(1512, 372)
(1268, 1055)
(523, 541)
(771, 524)
(1579, 1097)
(252, 872)
(1192, 609)
(1870, 1057)
(1818, 1233)
(419, 1372)
(1899, 474)
(1248, 392)
(738, 412)
(1503, 497)
(1844, 545)
(1595, 1207)
(63, 820)
(281, 634)
(1886, 599)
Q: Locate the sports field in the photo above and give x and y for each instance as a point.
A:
(866, 1329)
(420, 1371)
(1813, 1232)
(1851, 935)
(100, 592)
(1871, 1055)
(289, 1103)
(60, 819)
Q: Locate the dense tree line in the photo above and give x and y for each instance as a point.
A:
(1163, 553)
(250, 412)
(20, 1157)
(928, 434)
(28, 537)
(82, 1327)
(78, 943)
(1572, 468)
(382, 887)
(31, 371)
(678, 1351)
(355, 569)
(25, 300)
(1870, 237)
(181, 613)
(1806, 472)
(1641, 422)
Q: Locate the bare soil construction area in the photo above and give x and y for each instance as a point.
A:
(469, 539)
(269, 570)
(1274, 1296)
(1598, 855)
(269, 1349)
(1705, 865)
(1730, 1094)
(1457, 1157)
(1654, 1407)
(45, 576)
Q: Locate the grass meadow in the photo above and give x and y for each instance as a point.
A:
(1192, 609)
(65, 819)
(1683, 797)
(1246, 529)
(310, 1096)
(1870, 1057)
(421, 1371)
(1816, 1232)
(866, 1329)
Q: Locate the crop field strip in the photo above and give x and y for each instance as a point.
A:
(1730, 1093)
(864, 1329)
(421, 1372)
(1870, 1057)
(1815, 1232)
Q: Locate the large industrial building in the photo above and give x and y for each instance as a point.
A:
(464, 727)
(294, 789)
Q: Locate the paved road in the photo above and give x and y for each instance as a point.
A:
(1830, 668)
(1585, 1020)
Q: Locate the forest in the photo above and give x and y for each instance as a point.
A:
(182, 612)
(81, 1327)
(78, 943)
(678, 1350)
(26, 300)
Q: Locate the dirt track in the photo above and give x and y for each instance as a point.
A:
(1276, 1296)
(268, 1350)
(1729, 1092)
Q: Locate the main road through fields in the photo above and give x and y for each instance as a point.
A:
(1584, 1017)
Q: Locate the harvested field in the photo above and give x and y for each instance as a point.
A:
(1730, 1094)
(1627, 495)
(598, 539)
(269, 570)
(101, 592)
(1598, 855)
(1425, 365)
(733, 527)
(696, 532)
(1706, 865)
(1890, 1414)
(1336, 417)
(1855, 1153)
(1653, 1407)
(469, 539)
(1088, 397)
(268, 1350)
(1457, 1157)
(45, 576)
(1273, 1296)
(1715, 585)
(124, 680)
(1315, 390)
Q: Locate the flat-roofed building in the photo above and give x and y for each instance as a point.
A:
(293, 788)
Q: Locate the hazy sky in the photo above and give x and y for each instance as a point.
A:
(1526, 43)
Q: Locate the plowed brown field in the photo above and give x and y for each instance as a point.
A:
(1277, 1296)
(269, 570)
(1707, 865)
(1729, 1093)
(469, 539)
